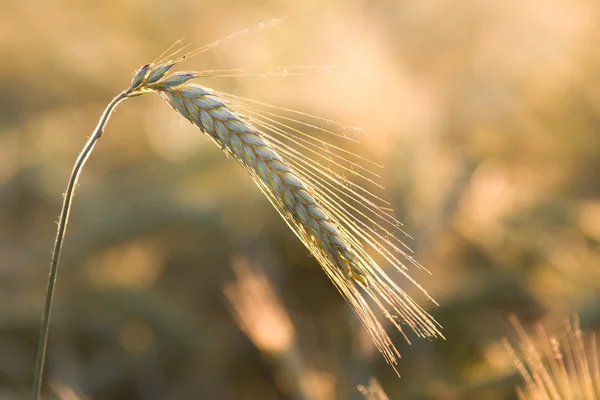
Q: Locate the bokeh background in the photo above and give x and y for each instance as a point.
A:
(179, 281)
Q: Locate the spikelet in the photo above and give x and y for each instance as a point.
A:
(342, 223)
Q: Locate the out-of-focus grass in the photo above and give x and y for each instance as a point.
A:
(485, 115)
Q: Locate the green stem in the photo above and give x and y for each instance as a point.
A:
(60, 234)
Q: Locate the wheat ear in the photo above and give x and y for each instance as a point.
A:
(308, 198)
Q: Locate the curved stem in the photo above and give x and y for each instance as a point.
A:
(60, 234)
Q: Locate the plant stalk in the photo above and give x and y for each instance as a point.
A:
(60, 235)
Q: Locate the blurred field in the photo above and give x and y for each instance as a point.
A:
(178, 279)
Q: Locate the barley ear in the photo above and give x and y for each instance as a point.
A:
(291, 182)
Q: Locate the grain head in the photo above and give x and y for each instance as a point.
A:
(341, 222)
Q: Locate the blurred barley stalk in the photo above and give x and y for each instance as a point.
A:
(62, 391)
(348, 228)
(564, 367)
(373, 391)
(262, 316)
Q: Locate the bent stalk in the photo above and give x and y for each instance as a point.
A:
(60, 235)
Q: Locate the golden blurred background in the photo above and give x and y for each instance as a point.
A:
(179, 281)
